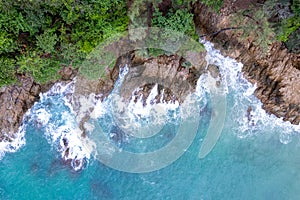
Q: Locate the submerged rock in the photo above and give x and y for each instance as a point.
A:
(214, 70)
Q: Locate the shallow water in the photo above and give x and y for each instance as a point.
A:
(256, 159)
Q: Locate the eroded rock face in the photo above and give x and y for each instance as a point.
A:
(82, 101)
(16, 99)
(85, 86)
(276, 73)
(167, 72)
(14, 102)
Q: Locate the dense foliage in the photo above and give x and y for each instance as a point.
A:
(271, 21)
(38, 37)
(253, 25)
(288, 18)
(287, 26)
(180, 20)
(171, 21)
(215, 4)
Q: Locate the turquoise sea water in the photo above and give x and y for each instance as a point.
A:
(256, 159)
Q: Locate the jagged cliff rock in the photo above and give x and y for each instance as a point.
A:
(14, 102)
(16, 99)
(166, 71)
(276, 73)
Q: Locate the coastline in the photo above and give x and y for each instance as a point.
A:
(275, 74)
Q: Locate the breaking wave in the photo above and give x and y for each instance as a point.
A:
(13, 144)
(55, 117)
(247, 112)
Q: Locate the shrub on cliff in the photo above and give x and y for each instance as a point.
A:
(289, 28)
(215, 4)
(179, 20)
(271, 21)
(173, 18)
(253, 25)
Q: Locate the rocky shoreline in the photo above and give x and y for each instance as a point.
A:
(16, 100)
(169, 71)
(276, 73)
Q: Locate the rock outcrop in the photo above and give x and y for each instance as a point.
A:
(16, 100)
(276, 73)
(166, 71)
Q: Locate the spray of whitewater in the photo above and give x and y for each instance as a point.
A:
(247, 112)
(55, 117)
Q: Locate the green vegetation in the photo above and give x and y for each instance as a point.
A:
(254, 25)
(175, 15)
(38, 37)
(271, 21)
(172, 26)
(215, 4)
(288, 27)
(287, 15)
(7, 69)
(178, 20)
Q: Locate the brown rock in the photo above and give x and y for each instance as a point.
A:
(15, 100)
(68, 73)
(276, 74)
(167, 72)
(214, 70)
(35, 89)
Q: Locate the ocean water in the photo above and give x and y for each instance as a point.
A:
(256, 156)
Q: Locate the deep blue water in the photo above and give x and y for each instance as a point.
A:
(256, 160)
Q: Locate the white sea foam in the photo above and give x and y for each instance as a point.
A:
(70, 143)
(63, 133)
(251, 119)
(138, 109)
(99, 109)
(229, 68)
(42, 117)
(60, 125)
(140, 119)
(13, 144)
(137, 118)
